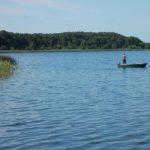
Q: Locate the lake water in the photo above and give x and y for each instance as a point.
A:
(75, 101)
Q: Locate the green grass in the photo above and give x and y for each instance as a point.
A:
(6, 66)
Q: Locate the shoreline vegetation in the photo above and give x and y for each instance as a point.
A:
(7, 64)
(70, 50)
(69, 42)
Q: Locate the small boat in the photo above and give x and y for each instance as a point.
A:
(140, 65)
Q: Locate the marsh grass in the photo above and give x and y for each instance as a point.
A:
(8, 59)
(7, 65)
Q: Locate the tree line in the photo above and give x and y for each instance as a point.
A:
(69, 40)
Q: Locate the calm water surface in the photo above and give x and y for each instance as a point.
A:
(75, 101)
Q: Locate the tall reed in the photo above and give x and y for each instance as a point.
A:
(6, 66)
(8, 59)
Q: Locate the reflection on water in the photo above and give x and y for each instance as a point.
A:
(75, 101)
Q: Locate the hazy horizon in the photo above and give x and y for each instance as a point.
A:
(127, 18)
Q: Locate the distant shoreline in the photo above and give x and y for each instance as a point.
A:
(69, 41)
(70, 50)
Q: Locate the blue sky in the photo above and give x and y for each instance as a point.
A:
(127, 17)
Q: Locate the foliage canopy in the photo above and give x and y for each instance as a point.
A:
(69, 40)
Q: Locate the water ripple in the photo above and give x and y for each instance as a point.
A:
(74, 101)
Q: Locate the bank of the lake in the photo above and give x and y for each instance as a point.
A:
(71, 50)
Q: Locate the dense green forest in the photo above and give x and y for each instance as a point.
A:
(69, 40)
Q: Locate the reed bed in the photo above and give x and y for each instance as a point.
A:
(6, 66)
(8, 59)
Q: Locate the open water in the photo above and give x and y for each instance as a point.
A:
(76, 101)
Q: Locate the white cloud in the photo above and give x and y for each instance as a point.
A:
(11, 10)
(63, 5)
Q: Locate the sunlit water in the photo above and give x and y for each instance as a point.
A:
(75, 101)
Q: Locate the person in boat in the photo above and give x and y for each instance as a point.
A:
(124, 58)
